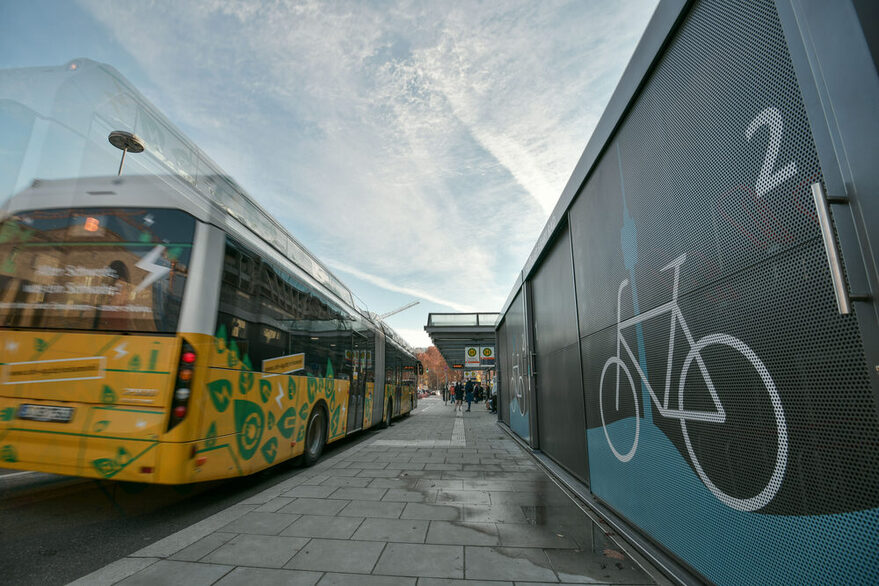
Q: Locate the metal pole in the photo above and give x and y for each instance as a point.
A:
(122, 162)
(125, 141)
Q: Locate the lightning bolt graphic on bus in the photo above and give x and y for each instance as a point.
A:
(148, 264)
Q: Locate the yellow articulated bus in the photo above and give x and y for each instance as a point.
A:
(160, 326)
(148, 344)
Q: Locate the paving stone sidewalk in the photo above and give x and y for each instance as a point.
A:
(440, 498)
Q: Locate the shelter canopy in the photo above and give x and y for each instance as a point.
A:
(451, 333)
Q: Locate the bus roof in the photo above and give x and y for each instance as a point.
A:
(91, 93)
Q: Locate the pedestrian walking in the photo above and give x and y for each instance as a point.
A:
(459, 396)
(468, 391)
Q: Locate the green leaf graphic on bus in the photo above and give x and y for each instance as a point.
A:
(287, 423)
(303, 411)
(108, 395)
(232, 358)
(7, 414)
(271, 421)
(330, 390)
(211, 440)
(8, 453)
(40, 345)
(105, 467)
(334, 422)
(220, 392)
(101, 425)
(312, 389)
(220, 340)
(270, 450)
(265, 390)
(108, 467)
(291, 388)
(245, 382)
(250, 422)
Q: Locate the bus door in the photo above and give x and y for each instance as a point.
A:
(378, 402)
(357, 390)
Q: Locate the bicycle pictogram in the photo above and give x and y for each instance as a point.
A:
(718, 416)
(517, 379)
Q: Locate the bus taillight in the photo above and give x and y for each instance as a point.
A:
(182, 391)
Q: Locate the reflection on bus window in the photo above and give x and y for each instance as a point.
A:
(106, 269)
(269, 313)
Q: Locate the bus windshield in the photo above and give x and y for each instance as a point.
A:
(106, 269)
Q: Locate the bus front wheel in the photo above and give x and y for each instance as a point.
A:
(315, 436)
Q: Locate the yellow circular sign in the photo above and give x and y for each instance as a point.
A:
(471, 352)
(486, 351)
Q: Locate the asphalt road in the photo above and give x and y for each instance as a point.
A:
(54, 529)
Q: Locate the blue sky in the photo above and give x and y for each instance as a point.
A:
(416, 147)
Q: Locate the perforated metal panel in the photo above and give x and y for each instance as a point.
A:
(514, 376)
(558, 390)
(696, 236)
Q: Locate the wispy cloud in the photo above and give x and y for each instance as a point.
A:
(386, 284)
(413, 142)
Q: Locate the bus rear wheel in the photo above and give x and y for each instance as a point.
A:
(388, 414)
(315, 436)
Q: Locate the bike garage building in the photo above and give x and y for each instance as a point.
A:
(692, 346)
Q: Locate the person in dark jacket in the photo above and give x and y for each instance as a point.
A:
(468, 391)
(459, 395)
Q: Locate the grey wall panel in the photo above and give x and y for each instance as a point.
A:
(555, 316)
(596, 218)
(559, 396)
(868, 14)
(560, 409)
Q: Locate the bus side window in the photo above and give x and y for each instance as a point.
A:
(278, 315)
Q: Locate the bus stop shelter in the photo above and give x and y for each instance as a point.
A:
(454, 334)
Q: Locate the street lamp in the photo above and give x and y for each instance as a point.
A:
(125, 141)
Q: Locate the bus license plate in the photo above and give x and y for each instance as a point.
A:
(45, 413)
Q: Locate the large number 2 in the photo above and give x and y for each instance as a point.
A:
(769, 180)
